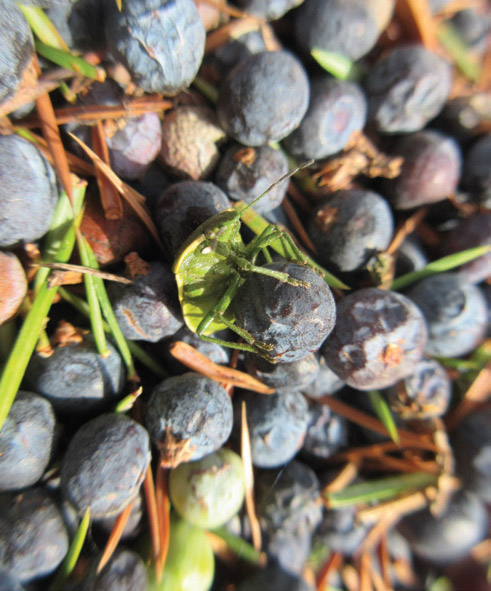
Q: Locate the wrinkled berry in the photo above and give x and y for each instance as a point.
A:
(296, 375)
(327, 432)
(125, 571)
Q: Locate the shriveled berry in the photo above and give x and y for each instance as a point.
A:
(13, 285)
(277, 426)
(246, 173)
(28, 191)
(455, 312)
(148, 309)
(407, 88)
(345, 27)
(350, 227)
(422, 395)
(105, 464)
(33, 537)
(378, 339)
(190, 139)
(263, 98)
(75, 378)
(210, 491)
(160, 43)
(183, 207)
(430, 171)
(327, 432)
(27, 441)
(295, 320)
(188, 417)
(337, 109)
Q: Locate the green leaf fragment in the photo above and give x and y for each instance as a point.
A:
(379, 490)
(67, 60)
(450, 39)
(337, 65)
(239, 546)
(446, 263)
(382, 410)
(42, 27)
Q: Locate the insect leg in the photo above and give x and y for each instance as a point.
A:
(221, 306)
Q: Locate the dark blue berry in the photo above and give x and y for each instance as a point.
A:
(379, 339)
(476, 176)
(337, 109)
(183, 207)
(148, 309)
(455, 312)
(407, 88)
(350, 227)
(236, 49)
(296, 375)
(327, 433)
(273, 577)
(33, 537)
(28, 191)
(295, 320)
(422, 395)
(188, 417)
(125, 571)
(160, 43)
(340, 531)
(27, 441)
(430, 171)
(17, 48)
(133, 525)
(268, 9)
(449, 537)
(105, 464)
(410, 257)
(325, 383)
(79, 22)
(75, 378)
(345, 27)
(263, 98)
(246, 173)
(277, 426)
(472, 26)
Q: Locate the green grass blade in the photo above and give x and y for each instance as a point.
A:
(337, 65)
(33, 324)
(380, 490)
(135, 349)
(67, 60)
(93, 300)
(73, 554)
(239, 546)
(382, 410)
(42, 27)
(257, 224)
(450, 39)
(446, 263)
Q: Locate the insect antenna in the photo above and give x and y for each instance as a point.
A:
(277, 182)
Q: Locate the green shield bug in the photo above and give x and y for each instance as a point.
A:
(213, 263)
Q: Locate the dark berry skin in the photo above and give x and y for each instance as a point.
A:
(244, 174)
(422, 395)
(350, 227)
(455, 312)
(325, 383)
(295, 320)
(125, 571)
(268, 9)
(105, 464)
(76, 379)
(160, 43)
(27, 441)
(188, 417)
(445, 539)
(471, 444)
(277, 426)
(33, 537)
(17, 47)
(79, 22)
(340, 531)
(337, 109)
(346, 27)
(407, 88)
(296, 375)
(430, 171)
(183, 207)
(476, 177)
(378, 339)
(326, 434)
(263, 98)
(13, 285)
(274, 577)
(288, 511)
(148, 309)
(28, 191)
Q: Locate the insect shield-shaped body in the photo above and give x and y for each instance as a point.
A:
(212, 265)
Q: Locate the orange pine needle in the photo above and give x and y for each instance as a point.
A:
(476, 395)
(417, 18)
(115, 536)
(111, 201)
(331, 566)
(162, 519)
